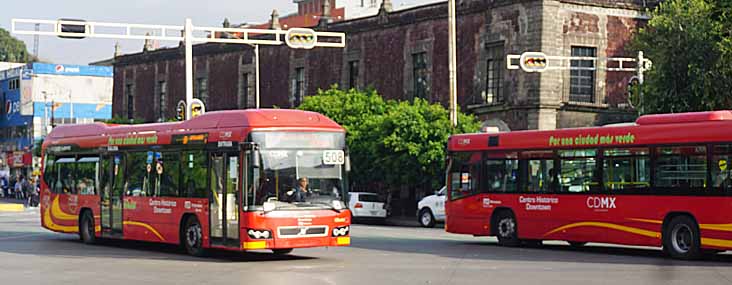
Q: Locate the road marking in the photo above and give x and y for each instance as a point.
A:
(12, 208)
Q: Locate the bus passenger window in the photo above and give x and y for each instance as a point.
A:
(501, 175)
(627, 169)
(86, 180)
(579, 171)
(194, 174)
(721, 173)
(681, 168)
(537, 172)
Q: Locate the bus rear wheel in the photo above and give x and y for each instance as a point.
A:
(681, 238)
(86, 228)
(507, 229)
(192, 238)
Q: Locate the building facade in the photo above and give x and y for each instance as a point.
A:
(38, 96)
(403, 55)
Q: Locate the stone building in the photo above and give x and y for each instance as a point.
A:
(403, 55)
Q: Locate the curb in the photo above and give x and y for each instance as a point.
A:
(12, 208)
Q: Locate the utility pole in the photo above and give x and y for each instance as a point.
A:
(452, 19)
(188, 38)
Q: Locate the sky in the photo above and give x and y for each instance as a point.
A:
(157, 12)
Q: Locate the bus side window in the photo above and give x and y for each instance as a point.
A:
(721, 172)
(49, 171)
(579, 171)
(464, 174)
(627, 169)
(194, 174)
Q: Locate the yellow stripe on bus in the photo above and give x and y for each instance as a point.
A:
(148, 227)
(637, 231)
(59, 214)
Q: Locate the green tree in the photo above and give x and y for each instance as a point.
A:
(123, 121)
(690, 44)
(12, 49)
(392, 144)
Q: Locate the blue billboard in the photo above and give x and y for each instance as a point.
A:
(72, 70)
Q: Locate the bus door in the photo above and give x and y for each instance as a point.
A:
(112, 184)
(224, 198)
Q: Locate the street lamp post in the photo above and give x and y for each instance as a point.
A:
(452, 19)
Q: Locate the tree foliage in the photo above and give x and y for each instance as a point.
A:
(12, 49)
(391, 143)
(124, 121)
(690, 44)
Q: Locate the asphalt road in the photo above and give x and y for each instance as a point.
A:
(378, 255)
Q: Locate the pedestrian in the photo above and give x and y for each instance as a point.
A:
(28, 191)
(19, 188)
(4, 187)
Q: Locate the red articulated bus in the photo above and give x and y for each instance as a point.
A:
(224, 180)
(664, 181)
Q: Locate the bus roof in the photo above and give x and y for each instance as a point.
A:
(698, 127)
(234, 119)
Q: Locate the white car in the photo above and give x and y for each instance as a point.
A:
(366, 205)
(432, 209)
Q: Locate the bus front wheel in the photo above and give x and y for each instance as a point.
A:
(86, 228)
(681, 238)
(192, 238)
(507, 229)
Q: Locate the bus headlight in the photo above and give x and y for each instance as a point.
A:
(341, 231)
(259, 234)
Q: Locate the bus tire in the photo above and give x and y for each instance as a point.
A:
(507, 229)
(192, 238)
(426, 219)
(282, 251)
(681, 238)
(87, 232)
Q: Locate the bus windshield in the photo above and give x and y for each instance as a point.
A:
(299, 178)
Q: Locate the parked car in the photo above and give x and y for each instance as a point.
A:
(365, 205)
(432, 209)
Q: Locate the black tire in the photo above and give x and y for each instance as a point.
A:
(426, 219)
(87, 233)
(506, 229)
(192, 237)
(577, 244)
(681, 238)
(282, 251)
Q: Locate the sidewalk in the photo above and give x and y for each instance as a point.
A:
(11, 205)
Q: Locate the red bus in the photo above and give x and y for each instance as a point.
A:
(663, 181)
(222, 180)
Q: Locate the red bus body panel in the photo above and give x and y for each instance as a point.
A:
(584, 217)
(158, 219)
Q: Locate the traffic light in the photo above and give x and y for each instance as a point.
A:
(534, 62)
(301, 38)
(180, 111)
(197, 108)
(72, 28)
(634, 92)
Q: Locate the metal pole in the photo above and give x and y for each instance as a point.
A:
(188, 38)
(45, 115)
(641, 79)
(256, 59)
(452, 19)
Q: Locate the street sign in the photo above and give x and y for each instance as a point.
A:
(71, 28)
(534, 62)
(197, 108)
(301, 38)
